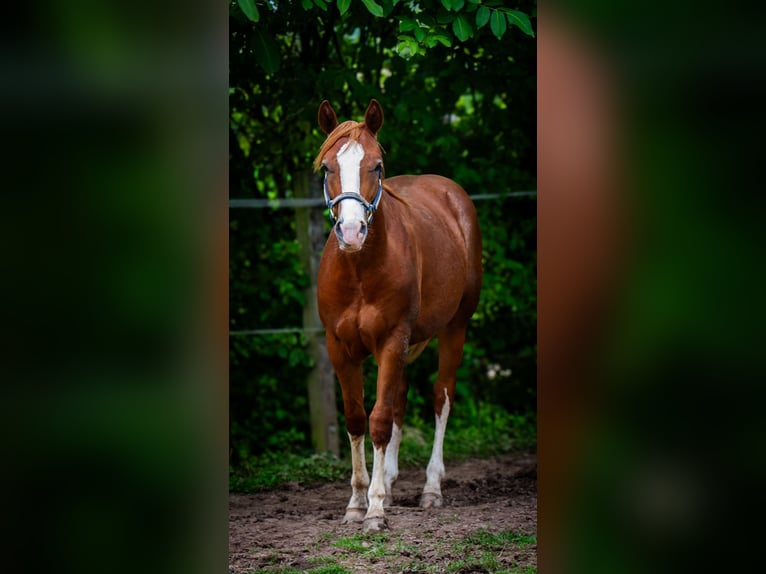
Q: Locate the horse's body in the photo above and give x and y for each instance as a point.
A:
(385, 288)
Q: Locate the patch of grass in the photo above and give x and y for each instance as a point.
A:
(498, 540)
(486, 562)
(330, 569)
(326, 569)
(418, 565)
(479, 551)
(367, 544)
(480, 548)
(275, 570)
(323, 560)
(273, 470)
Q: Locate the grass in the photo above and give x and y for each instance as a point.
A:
(501, 539)
(478, 551)
(327, 569)
(491, 431)
(367, 544)
(274, 470)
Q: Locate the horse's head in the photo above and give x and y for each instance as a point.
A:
(353, 166)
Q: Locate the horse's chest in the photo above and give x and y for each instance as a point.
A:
(361, 324)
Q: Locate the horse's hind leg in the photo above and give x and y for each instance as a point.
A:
(450, 354)
(392, 451)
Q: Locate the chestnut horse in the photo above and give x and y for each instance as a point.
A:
(402, 266)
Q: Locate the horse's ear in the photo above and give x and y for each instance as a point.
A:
(373, 117)
(328, 121)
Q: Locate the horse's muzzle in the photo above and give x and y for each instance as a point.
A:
(351, 235)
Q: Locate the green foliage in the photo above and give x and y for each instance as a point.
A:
(459, 96)
(485, 430)
(374, 8)
(270, 470)
(250, 9)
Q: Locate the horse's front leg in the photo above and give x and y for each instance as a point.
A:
(352, 386)
(385, 437)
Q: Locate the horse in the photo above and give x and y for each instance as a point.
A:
(401, 266)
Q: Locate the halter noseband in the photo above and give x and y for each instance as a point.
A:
(369, 208)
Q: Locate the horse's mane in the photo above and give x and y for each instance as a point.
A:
(352, 130)
(349, 129)
(393, 194)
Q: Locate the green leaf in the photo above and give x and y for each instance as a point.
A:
(420, 34)
(307, 4)
(266, 51)
(521, 20)
(250, 9)
(373, 8)
(447, 4)
(407, 24)
(438, 37)
(458, 5)
(444, 17)
(497, 23)
(322, 4)
(462, 28)
(482, 16)
(343, 6)
(407, 46)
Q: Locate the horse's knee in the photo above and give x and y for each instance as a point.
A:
(356, 422)
(381, 425)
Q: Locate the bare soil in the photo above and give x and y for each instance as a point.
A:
(298, 528)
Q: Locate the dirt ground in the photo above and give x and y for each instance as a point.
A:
(298, 528)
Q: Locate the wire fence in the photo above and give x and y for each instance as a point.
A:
(285, 202)
(290, 202)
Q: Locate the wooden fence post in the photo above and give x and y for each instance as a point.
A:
(321, 380)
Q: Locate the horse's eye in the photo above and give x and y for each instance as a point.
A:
(379, 168)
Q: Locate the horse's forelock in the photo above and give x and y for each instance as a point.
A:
(350, 129)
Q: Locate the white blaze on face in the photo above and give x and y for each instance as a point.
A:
(351, 214)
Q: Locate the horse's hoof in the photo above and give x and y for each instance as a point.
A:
(431, 500)
(354, 515)
(375, 524)
(388, 501)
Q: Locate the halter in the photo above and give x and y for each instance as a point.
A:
(369, 208)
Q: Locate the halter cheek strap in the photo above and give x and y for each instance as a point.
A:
(369, 207)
